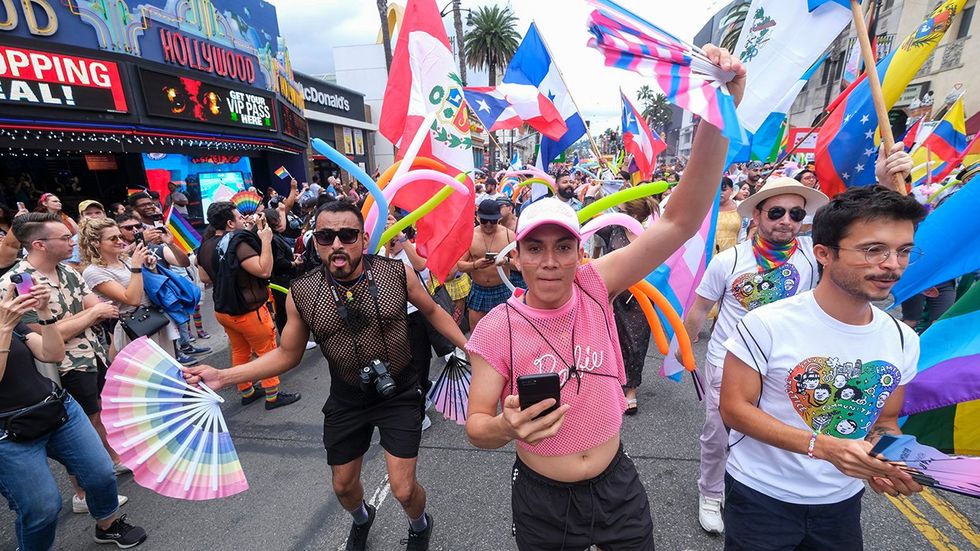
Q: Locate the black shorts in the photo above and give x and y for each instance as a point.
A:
(757, 522)
(610, 511)
(84, 388)
(347, 429)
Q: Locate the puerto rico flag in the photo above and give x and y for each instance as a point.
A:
(510, 105)
(643, 144)
(423, 79)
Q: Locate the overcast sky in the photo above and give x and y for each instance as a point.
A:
(313, 27)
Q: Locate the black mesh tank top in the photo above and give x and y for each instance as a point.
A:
(316, 305)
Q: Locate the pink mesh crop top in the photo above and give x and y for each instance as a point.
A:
(506, 339)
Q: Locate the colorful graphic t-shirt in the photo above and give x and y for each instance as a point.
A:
(516, 339)
(733, 274)
(818, 375)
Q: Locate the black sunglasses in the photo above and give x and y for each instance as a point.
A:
(347, 236)
(484, 221)
(796, 214)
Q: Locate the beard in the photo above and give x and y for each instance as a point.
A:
(566, 192)
(781, 238)
(853, 284)
(345, 268)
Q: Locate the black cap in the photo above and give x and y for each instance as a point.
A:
(504, 200)
(489, 210)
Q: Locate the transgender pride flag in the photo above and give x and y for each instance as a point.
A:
(679, 70)
(679, 276)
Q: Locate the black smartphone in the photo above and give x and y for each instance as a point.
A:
(138, 238)
(490, 256)
(532, 389)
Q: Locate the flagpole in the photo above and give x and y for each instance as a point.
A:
(871, 69)
(928, 164)
(595, 148)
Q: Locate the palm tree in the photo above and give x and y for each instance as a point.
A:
(656, 108)
(489, 44)
(732, 23)
(385, 34)
(458, 25)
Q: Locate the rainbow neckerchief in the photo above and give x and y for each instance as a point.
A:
(769, 256)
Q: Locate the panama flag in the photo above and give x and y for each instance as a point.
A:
(511, 105)
(638, 140)
(423, 80)
(774, 56)
(532, 64)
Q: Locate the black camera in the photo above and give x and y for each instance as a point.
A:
(376, 374)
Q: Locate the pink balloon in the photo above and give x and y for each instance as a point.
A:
(611, 219)
(410, 177)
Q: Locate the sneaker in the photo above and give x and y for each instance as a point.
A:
(119, 469)
(426, 422)
(419, 541)
(79, 505)
(202, 334)
(121, 533)
(310, 345)
(357, 538)
(186, 360)
(283, 399)
(259, 393)
(190, 350)
(709, 515)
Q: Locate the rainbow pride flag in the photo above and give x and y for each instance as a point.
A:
(943, 400)
(282, 173)
(184, 233)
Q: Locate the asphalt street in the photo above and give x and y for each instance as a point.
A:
(290, 504)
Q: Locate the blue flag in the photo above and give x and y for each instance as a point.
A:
(532, 64)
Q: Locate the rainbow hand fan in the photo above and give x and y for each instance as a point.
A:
(450, 393)
(247, 202)
(171, 434)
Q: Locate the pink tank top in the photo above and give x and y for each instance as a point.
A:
(510, 339)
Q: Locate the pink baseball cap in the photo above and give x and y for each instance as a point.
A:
(547, 211)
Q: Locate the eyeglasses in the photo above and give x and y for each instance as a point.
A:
(65, 238)
(114, 238)
(491, 222)
(877, 254)
(326, 237)
(796, 214)
(130, 227)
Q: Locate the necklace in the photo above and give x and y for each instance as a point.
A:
(488, 242)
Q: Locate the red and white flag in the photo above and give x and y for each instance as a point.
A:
(638, 140)
(423, 80)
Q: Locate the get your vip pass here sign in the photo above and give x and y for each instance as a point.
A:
(184, 98)
(48, 79)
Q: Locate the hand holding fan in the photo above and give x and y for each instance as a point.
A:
(171, 434)
(247, 202)
(451, 392)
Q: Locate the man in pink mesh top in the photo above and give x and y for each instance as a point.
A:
(572, 485)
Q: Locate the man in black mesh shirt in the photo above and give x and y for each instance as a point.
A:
(354, 305)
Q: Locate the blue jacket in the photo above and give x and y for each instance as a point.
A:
(177, 295)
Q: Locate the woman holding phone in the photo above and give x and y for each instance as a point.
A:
(117, 278)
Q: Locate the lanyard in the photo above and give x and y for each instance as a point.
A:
(344, 312)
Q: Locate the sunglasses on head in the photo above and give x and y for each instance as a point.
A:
(796, 214)
(347, 236)
(493, 222)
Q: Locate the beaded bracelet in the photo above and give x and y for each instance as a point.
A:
(813, 444)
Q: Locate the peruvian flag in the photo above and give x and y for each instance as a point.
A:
(639, 140)
(510, 105)
(423, 79)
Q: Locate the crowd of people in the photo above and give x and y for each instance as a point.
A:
(790, 290)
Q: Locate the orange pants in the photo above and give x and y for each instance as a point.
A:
(251, 333)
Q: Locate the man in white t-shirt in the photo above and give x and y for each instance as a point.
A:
(775, 264)
(812, 381)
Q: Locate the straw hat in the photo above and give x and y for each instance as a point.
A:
(783, 185)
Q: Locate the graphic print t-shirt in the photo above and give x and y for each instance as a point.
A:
(818, 375)
(733, 275)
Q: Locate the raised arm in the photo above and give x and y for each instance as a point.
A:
(689, 203)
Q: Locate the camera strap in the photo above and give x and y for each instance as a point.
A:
(348, 294)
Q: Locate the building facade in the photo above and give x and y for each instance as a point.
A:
(99, 99)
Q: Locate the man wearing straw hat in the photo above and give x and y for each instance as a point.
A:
(775, 264)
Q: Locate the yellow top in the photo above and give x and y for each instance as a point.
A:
(726, 231)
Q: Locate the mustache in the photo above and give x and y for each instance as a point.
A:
(884, 277)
